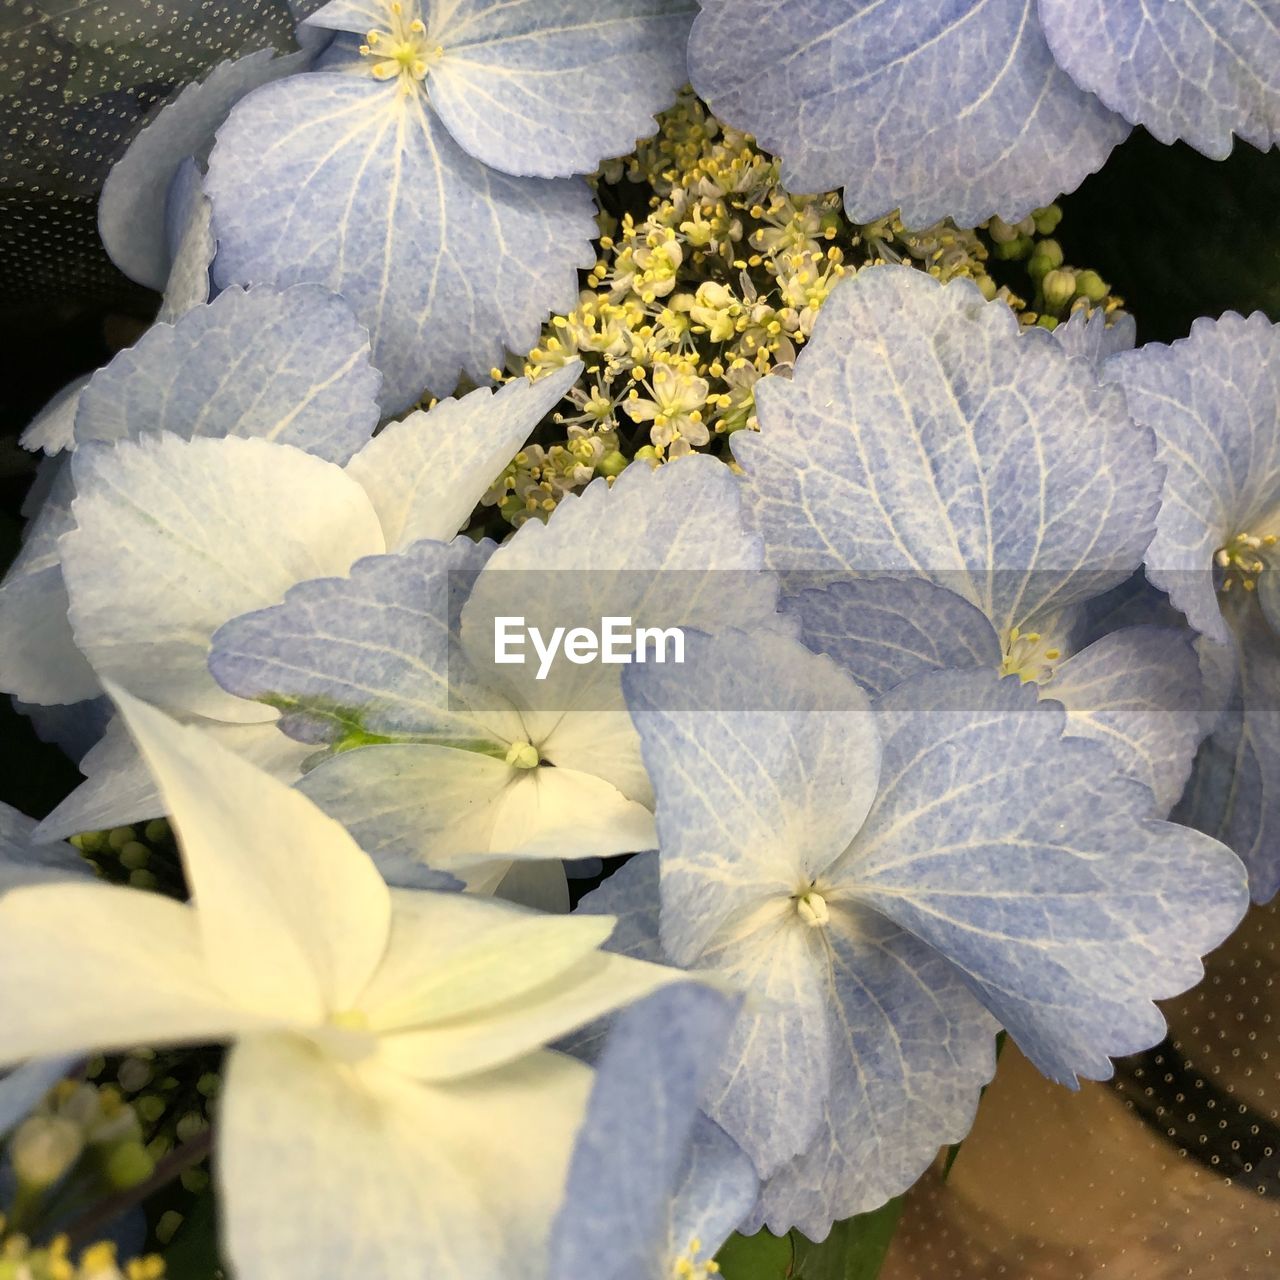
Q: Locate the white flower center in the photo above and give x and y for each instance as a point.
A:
(1029, 656)
(811, 907)
(523, 755)
(1241, 559)
(401, 50)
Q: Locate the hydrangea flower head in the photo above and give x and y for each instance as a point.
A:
(889, 883)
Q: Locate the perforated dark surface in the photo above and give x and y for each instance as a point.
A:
(76, 79)
(1172, 1170)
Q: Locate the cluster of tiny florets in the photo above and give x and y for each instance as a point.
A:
(710, 276)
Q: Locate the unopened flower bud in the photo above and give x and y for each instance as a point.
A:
(1059, 288)
(128, 1165)
(1089, 284)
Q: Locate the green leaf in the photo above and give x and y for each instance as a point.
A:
(855, 1249)
(759, 1257)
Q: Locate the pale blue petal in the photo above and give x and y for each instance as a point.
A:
(923, 433)
(352, 183)
(291, 367)
(39, 659)
(912, 1050)
(401, 871)
(53, 428)
(551, 87)
(1094, 334)
(1135, 603)
(716, 1190)
(1138, 692)
(1213, 401)
(71, 727)
(630, 894)
(664, 547)
(118, 789)
(752, 735)
(954, 109)
(23, 1087)
(367, 653)
(883, 631)
(772, 1079)
(191, 244)
(22, 861)
(1199, 72)
(1030, 863)
(1234, 792)
(358, 16)
(131, 210)
(426, 473)
(615, 1222)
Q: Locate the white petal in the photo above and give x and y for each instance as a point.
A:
(562, 813)
(451, 955)
(594, 986)
(176, 537)
(335, 1175)
(118, 787)
(294, 916)
(425, 474)
(100, 967)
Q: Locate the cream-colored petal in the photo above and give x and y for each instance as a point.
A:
(294, 915)
(333, 1173)
(454, 957)
(98, 967)
(594, 986)
(565, 813)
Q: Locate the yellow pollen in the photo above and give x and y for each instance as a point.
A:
(401, 51)
(1239, 560)
(689, 1266)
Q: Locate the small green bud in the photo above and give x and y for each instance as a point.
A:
(1047, 257)
(149, 1108)
(1089, 284)
(128, 1165)
(1001, 232)
(209, 1084)
(91, 841)
(987, 287)
(159, 1146)
(168, 1226)
(190, 1125)
(142, 880)
(1047, 219)
(195, 1180)
(44, 1148)
(1048, 322)
(647, 454)
(119, 837)
(1059, 287)
(612, 464)
(1013, 250)
(134, 1074)
(135, 856)
(156, 831)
